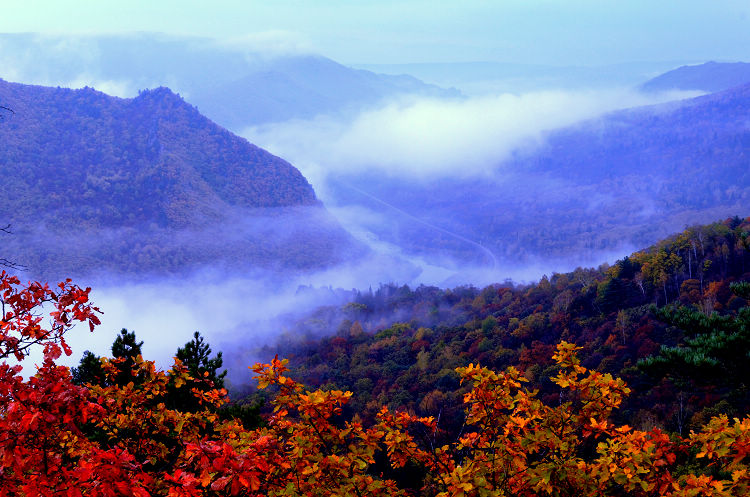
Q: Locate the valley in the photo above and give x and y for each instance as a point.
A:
(389, 250)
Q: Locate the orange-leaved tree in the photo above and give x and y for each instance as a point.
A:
(115, 439)
(304, 450)
(514, 445)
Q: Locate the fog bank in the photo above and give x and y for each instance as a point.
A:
(424, 138)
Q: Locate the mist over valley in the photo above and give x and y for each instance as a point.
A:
(394, 249)
(390, 180)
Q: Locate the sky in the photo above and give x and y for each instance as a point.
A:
(570, 32)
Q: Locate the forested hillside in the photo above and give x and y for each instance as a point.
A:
(606, 185)
(421, 414)
(399, 347)
(374, 249)
(98, 183)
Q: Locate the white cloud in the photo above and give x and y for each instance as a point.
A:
(232, 312)
(116, 88)
(422, 137)
(269, 43)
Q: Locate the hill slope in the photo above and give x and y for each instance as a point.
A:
(709, 77)
(611, 184)
(400, 346)
(94, 182)
(301, 87)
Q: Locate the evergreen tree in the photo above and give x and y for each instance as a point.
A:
(125, 345)
(716, 348)
(89, 370)
(715, 351)
(196, 357)
(125, 351)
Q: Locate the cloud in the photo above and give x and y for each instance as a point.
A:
(232, 311)
(69, 62)
(116, 88)
(271, 43)
(427, 138)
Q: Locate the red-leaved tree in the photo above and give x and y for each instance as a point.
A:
(113, 439)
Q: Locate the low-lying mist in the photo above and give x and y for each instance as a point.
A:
(426, 138)
(414, 141)
(240, 314)
(444, 184)
(239, 240)
(234, 312)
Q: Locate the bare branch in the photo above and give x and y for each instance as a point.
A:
(8, 109)
(7, 263)
(12, 265)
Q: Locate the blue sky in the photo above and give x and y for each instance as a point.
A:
(561, 32)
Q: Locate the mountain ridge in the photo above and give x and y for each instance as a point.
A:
(710, 77)
(235, 86)
(82, 161)
(601, 186)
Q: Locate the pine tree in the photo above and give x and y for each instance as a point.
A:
(89, 370)
(125, 345)
(125, 352)
(714, 354)
(196, 356)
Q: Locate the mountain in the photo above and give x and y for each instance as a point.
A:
(96, 183)
(492, 77)
(234, 84)
(300, 87)
(401, 345)
(598, 188)
(709, 77)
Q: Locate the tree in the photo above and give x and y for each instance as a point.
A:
(513, 444)
(196, 356)
(58, 439)
(89, 370)
(658, 267)
(21, 308)
(716, 348)
(126, 351)
(713, 356)
(125, 345)
(62, 439)
(42, 451)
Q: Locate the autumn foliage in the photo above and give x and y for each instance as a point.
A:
(122, 439)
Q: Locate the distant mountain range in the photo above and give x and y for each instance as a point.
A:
(233, 85)
(299, 87)
(709, 77)
(155, 186)
(493, 77)
(595, 189)
(94, 183)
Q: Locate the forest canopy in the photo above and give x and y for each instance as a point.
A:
(546, 425)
